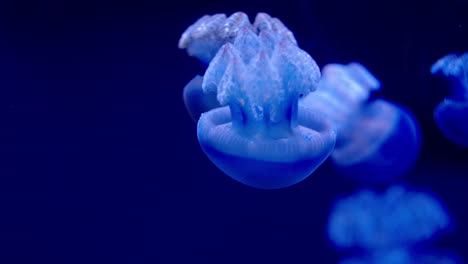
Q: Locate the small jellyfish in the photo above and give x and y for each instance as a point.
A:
(451, 114)
(206, 36)
(376, 140)
(261, 137)
(396, 218)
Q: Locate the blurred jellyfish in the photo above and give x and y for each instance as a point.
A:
(396, 218)
(207, 35)
(376, 140)
(403, 256)
(451, 114)
(260, 137)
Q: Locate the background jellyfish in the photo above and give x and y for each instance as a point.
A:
(261, 138)
(376, 140)
(451, 114)
(404, 256)
(389, 226)
(206, 36)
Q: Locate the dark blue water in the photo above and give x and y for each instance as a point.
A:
(100, 161)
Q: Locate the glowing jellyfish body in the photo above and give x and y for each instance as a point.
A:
(396, 218)
(261, 137)
(376, 140)
(451, 114)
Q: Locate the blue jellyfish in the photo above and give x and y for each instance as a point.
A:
(376, 140)
(203, 40)
(260, 136)
(396, 218)
(451, 114)
(401, 255)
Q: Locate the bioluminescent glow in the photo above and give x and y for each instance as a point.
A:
(260, 137)
(451, 114)
(376, 140)
(396, 218)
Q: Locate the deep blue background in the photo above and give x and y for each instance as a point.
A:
(100, 162)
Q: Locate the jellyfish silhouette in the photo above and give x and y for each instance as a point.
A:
(206, 36)
(260, 137)
(376, 140)
(451, 114)
(396, 218)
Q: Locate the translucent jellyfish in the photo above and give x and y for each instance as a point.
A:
(376, 140)
(451, 114)
(396, 218)
(206, 36)
(261, 137)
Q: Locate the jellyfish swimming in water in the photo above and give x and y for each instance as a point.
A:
(395, 218)
(261, 136)
(376, 140)
(451, 114)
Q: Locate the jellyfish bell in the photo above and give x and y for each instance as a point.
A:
(381, 143)
(451, 117)
(262, 138)
(263, 161)
(451, 114)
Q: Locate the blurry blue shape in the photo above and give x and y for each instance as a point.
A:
(396, 218)
(452, 113)
(376, 140)
(402, 255)
(207, 35)
(261, 138)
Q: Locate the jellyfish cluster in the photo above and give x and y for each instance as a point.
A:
(388, 227)
(451, 114)
(268, 117)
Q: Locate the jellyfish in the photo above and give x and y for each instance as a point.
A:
(376, 140)
(451, 114)
(260, 136)
(401, 255)
(203, 40)
(396, 218)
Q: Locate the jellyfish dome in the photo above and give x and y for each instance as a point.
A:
(206, 36)
(396, 218)
(261, 137)
(451, 114)
(376, 140)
